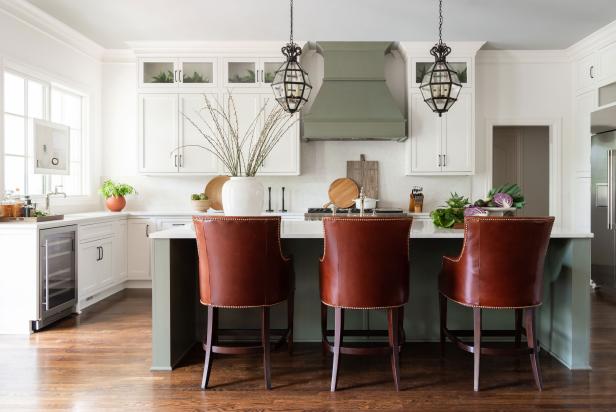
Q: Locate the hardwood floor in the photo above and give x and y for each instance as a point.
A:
(100, 361)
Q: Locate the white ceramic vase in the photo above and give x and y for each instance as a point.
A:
(243, 196)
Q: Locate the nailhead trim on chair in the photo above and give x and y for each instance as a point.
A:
(492, 307)
(367, 308)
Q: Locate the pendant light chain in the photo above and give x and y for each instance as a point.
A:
(291, 38)
(440, 21)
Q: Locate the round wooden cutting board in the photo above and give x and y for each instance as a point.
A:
(343, 192)
(213, 191)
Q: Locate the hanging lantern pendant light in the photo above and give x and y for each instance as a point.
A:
(440, 86)
(291, 84)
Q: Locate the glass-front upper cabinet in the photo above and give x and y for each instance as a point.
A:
(165, 73)
(461, 66)
(250, 72)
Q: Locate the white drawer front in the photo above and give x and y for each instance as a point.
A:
(95, 231)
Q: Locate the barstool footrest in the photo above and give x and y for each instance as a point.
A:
(454, 336)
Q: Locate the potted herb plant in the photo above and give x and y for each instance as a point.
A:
(200, 202)
(452, 216)
(241, 152)
(114, 194)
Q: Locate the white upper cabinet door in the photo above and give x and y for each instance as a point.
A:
(607, 61)
(197, 72)
(424, 143)
(284, 158)
(458, 148)
(268, 69)
(158, 133)
(241, 72)
(158, 73)
(193, 159)
(586, 72)
(247, 106)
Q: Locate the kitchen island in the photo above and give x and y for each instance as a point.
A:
(178, 319)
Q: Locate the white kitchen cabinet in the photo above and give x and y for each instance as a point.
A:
(170, 223)
(138, 264)
(457, 136)
(120, 233)
(607, 61)
(250, 71)
(584, 105)
(95, 268)
(193, 159)
(164, 130)
(284, 159)
(158, 133)
(177, 73)
(440, 145)
(586, 72)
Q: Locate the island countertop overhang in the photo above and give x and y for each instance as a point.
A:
(309, 229)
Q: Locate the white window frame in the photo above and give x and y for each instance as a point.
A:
(88, 196)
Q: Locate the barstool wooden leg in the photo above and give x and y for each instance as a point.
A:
(401, 333)
(393, 328)
(290, 306)
(338, 331)
(531, 337)
(265, 341)
(518, 327)
(324, 328)
(476, 345)
(443, 317)
(207, 366)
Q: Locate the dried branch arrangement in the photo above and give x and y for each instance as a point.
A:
(241, 152)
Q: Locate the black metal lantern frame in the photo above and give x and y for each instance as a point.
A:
(440, 86)
(291, 85)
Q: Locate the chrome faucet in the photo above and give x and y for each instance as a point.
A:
(54, 193)
(362, 199)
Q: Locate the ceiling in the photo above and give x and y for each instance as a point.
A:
(504, 24)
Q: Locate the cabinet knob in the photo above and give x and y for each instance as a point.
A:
(591, 71)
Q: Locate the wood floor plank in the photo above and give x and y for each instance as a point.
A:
(100, 361)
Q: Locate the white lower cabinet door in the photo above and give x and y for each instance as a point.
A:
(284, 159)
(458, 148)
(158, 133)
(120, 232)
(87, 282)
(139, 249)
(195, 159)
(105, 265)
(424, 143)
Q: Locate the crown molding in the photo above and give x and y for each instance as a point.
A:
(34, 17)
(521, 56)
(119, 56)
(593, 42)
(187, 48)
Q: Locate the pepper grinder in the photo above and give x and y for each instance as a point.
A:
(269, 199)
(283, 209)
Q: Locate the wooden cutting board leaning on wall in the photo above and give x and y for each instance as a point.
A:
(365, 173)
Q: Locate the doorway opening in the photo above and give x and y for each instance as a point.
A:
(521, 154)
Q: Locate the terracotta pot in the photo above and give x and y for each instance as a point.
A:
(115, 203)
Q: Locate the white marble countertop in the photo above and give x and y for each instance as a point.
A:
(301, 229)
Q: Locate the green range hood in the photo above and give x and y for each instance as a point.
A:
(354, 102)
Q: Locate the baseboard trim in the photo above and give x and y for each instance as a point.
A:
(138, 284)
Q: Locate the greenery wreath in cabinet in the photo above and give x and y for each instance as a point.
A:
(114, 194)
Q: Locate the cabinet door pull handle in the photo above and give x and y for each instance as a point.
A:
(181, 161)
(439, 161)
(175, 161)
(591, 70)
(444, 160)
(147, 230)
(102, 253)
(180, 80)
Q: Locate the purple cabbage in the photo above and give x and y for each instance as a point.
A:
(503, 200)
(475, 211)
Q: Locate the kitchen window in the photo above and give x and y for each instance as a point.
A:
(27, 98)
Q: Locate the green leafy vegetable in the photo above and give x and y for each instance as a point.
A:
(454, 213)
(198, 196)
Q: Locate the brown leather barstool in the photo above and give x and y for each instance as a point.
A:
(365, 265)
(500, 267)
(241, 265)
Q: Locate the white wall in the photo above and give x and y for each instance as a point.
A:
(518, 87)
(24, 45)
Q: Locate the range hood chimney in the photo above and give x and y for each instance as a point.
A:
(354, 102)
